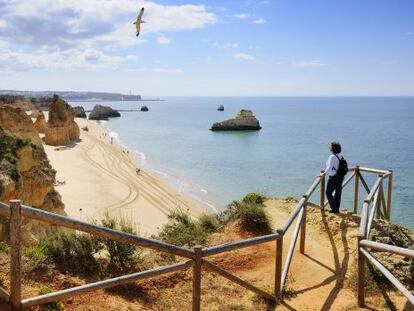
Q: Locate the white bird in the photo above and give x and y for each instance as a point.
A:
(139, 21)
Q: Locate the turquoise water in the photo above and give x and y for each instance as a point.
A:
(174, 140)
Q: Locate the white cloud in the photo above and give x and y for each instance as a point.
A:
(243, 16)
(164, 40)
(159, 70)
(109, 22)
(227, 45)
(309, 63)
(243, 56)
(3, 23)
(409, 33)
(259, 21)
(55, 58)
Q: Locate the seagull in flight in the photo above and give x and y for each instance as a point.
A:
(139, 21)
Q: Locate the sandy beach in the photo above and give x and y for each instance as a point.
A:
(96, 177)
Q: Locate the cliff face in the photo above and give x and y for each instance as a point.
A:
(25, 172)
(16, 121)
(61, 128)
(40, 124)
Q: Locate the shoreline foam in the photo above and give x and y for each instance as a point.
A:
(177, 183)
(101, 177)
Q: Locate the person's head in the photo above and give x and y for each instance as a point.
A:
(335, 147)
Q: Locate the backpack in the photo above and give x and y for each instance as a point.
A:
(343, 167)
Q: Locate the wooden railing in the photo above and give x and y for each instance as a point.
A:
(376, 206)
(196, 257)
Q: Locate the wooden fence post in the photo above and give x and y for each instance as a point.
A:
(361, 275)
(197, 278)
(389, 194)
(15, 258)
(278, 268)
(303, 228)
(322, 198)
(356, 189)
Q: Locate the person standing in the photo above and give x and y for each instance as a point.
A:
(336, 169)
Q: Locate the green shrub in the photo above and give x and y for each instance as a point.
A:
(254, 198)
(120, 254)
(37, 255)
(73, 252)
(209, 223)
(182, 230)
(4, 247)
(252, 216)
(2, 280)
(53, 305)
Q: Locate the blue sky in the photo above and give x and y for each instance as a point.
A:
(212, 48)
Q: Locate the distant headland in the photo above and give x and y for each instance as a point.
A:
(74, 96)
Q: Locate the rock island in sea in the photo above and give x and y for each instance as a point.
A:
(244, 121)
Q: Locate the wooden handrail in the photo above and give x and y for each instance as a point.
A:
(292, 247)
(373, 170)
(388, 275)
(196, 256)
(70, 292)
(119, 236)
(293, 215)
(217, 249)
(373, 190)
(388, 248)
(213, 268)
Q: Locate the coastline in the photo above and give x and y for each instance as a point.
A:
(100, 177)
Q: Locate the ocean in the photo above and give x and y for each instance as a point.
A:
(173, 140)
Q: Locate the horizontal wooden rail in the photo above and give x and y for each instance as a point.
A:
(4, 295)
(217, 249)
(119, 236)
(388, 275)
(373, 170)
(388, 248)
(213, 268)
(67, 293)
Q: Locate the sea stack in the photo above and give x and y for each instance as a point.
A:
(244, 121)
(61, 127)
(144, 108)
(100, 112)
(79, 112)
(220, 108)
(40, 123)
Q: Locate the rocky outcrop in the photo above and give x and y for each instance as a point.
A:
(144, 108)
(16, 121)
(25, 172)
(79, 112)
(40, 124)
(17, 101)
(61, 128)
(244, 121)
(100, 112)
(220, 108)
(35, 114)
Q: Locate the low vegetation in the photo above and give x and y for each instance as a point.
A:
(250, 213)
(81, 253)
(53, 305)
